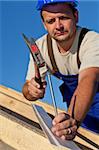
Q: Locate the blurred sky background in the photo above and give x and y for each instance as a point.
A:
(17, 17)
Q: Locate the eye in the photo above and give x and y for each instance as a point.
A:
(63, 18)
(50, 21)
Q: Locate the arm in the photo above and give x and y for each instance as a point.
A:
(89, 56)
(84, 93)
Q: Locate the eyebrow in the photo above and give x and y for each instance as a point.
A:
(62, 15)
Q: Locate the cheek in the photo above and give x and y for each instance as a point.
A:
(71, 25)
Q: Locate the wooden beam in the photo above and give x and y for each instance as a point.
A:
(14, 101)
(19, 135)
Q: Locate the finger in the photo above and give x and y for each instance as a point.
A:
(63, 125)
(35, 91)
(33, 87)
(72, 130)
(59, 118)
(61, 133)
(44, 83)
(68, 137)
(36, 95)
(33, 83)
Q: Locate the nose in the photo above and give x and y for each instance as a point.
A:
(58, 24)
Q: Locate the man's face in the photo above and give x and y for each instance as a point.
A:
(61, 25)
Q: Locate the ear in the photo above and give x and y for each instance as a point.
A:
(76, 16)
(44, 25)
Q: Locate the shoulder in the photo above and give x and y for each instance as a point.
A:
(90, 36)
(89, 50)
(90, 41)
(92, 32)
(41, 41)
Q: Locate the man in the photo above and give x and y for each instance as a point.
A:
(75, 56)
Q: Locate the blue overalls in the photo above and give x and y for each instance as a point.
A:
(67, 89)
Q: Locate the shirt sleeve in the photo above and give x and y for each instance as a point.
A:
(89, 51)
(31, 70)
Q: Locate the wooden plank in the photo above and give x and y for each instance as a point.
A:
(15, 102)
(9, 98)
(4, 146)
(90, 135)
(46, 124)
(21, 137)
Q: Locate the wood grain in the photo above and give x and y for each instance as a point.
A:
(14, 101)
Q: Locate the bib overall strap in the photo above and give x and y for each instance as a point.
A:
(51, 55)
(82, 34)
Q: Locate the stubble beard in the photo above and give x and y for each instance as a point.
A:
(63, 38)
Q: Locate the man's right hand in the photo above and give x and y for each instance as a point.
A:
(32, 91)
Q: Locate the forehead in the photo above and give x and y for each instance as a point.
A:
(50, 15)
(57, 8)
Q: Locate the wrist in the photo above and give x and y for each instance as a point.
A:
(78, 123)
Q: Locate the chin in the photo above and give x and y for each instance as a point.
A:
(62, 38)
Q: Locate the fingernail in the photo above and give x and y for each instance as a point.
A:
(44, 86)
(63, 137)
(53, 130)
(54, 123)
(38, 86)
(57, 133)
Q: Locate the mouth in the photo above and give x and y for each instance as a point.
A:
(61, 33)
